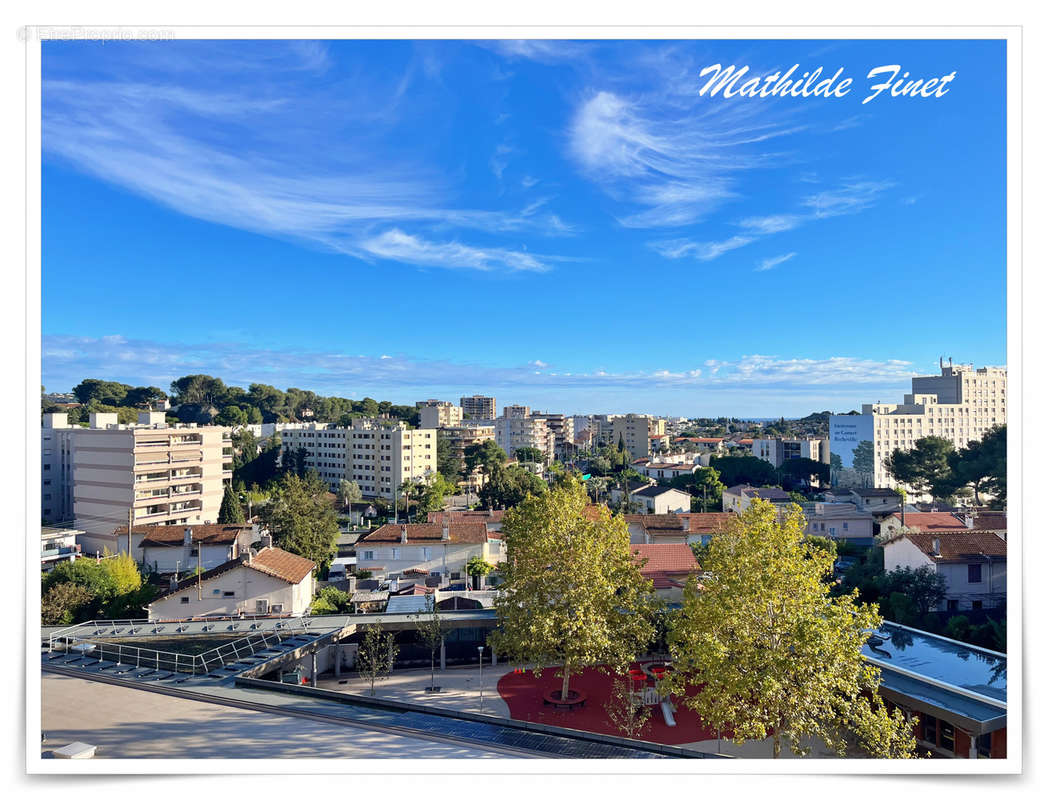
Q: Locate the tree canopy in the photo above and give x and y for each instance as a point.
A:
(750, 470)
(301, 518)
(775, 654)
(925, 468)
(572, 595)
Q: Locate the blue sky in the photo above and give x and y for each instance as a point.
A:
(563, 224)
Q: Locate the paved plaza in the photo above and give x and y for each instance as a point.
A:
(132, 723)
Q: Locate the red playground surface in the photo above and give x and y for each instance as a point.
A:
(523, 694)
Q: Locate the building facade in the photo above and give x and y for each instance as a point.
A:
(777, 451)
(514, 431)
(438, 414)
(478, 407)
(960, 404)
(378, 454)
(637, 432)
(152, 472)
(462, 436)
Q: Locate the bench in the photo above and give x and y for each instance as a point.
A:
(575, 700)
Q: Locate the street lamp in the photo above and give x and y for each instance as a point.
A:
(480, 680)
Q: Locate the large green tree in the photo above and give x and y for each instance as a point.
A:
(449, 462)
(301, 518)
(925, 468)
(509, 486)
(775, 654)
(751, 470)
(983, 465)
(573, 595)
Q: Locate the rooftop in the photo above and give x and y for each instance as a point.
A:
(174, 535)
(961, 546)
(931, 521)
(427, 532)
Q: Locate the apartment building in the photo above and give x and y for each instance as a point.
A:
(637, 432)
(478, 407)
(778, 451)
(960, 404)
(513, 432)
(378, 454)
(563, 431)
(438, 414)
(153, 472)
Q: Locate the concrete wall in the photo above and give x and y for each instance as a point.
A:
(247, 587)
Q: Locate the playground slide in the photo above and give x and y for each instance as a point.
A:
(667, 714)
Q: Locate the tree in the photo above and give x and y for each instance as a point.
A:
(509, 486)
(349, 493)
(197, 390)
(302, 519)
(431, 631)
(483, 456)
(625, 710)
(231, 416)
(230, 512)
(269, 400)
(925, 468)
(122, 572)
(329, 600)
(924, 586)
(862, 460)
(804, 469)
(449, 463)
(376, 654)
(434, 493)
(145, 396)
(750, 470)
(775, 654)
(92, 391)
(529, 455)
(572, 593)
(477, 567)
(64, 604)
(983, 465)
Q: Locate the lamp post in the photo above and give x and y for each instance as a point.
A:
(480, 680)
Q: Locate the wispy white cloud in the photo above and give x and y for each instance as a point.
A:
(395, 245)
(159, 139)
(771, 263)
(850, 197)
(545, 51)
(68, 359)
(500, 159)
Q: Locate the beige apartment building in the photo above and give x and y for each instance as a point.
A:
(157, 473)
(514, 431)
(637, 431)
(438, 414)
(478, 407)
(960, 404)
(378, 454)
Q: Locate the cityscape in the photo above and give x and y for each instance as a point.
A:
(611, 427)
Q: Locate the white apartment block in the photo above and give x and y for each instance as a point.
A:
(438, 414)
(778, 451)
(478, 407)
(378, 454)
(961, 405)
(637, 430)
(153, 472)
(514, 432)
(563, 431)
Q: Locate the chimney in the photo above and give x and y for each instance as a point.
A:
(266, 540)
(173, 585)
(969, 521)
(445, 532)
(491, 511)
(403, 534)
(686, 521)
(936, 551)
(187, 537)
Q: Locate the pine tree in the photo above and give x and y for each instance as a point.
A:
(230, 512)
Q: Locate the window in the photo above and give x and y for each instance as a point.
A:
(184, 600)
(228, 594)
(951, 605)
(983, 745)
(975, 573)
(946, 736)
(976, 605)
(396, 553)
(427, 553)
(928, 731)
(368, 555)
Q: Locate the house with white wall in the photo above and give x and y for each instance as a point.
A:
(691, 528)
(167, 549)
(435, 549)
(738, 498)
(270, 582)
(973, 563)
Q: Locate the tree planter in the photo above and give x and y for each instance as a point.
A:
(574, 699)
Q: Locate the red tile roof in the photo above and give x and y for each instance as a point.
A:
(667, 564)
(946, 521)
(174, 535)
(960, 546)
(270, 561)
(673, 524)
(282, 564)
(427, 532)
